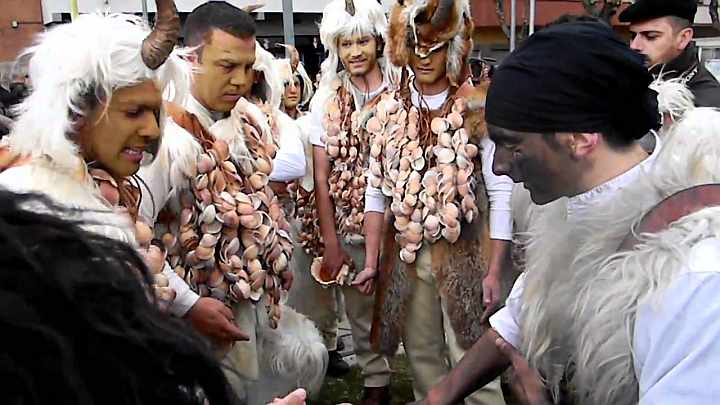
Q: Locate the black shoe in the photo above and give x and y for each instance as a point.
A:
(337, 367)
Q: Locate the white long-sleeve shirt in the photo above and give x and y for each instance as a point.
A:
(675, 335)
(499, 188)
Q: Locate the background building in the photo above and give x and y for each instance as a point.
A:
(21, 19)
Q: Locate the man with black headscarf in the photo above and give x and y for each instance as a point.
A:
(662, 31)
(566, 110)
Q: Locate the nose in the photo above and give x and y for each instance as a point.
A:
(150, 129)
(240, 78)
(636, 43)
(502, 161)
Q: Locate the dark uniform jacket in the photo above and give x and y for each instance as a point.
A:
(698, 79)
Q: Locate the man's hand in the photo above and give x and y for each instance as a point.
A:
(365, 281)
(214, 320)
(527, 385)
(491, 292)
(296, 397)
(333, 259)
(286, 279)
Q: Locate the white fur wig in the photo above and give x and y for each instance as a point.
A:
(284, 70)
(272, 90)
(75, 64)
(369, 18)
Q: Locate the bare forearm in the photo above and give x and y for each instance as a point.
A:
(499, 256)
(325, 207)
(373, 224)
(480, 365)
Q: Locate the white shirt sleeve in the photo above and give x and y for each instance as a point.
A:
(156, 194)
(677, 355)
(506, 320)
(289, 162)
(185, 298)
(317, 132)
(499, 189)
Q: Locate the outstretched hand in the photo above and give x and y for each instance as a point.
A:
(365, 281)
(296, 397)
(526, 382)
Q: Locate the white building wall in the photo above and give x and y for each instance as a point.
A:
(135, 6)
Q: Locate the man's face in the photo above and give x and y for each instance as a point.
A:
(116, 136)
(225, 71)
(539, 161)
(430, 69)
(358, 53)
(659, 40)
(292, 94)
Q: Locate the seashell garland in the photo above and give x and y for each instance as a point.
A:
(232, 241)
(126, 197)
(347, 146)
(429, 177)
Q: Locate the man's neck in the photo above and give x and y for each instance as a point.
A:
(370, 81)
(609, 164)
(432, 89)
(292, 113)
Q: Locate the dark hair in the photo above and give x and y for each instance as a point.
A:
(217, 15)
(572, 18)
(79, 323)
(678, 23)
(612, 138)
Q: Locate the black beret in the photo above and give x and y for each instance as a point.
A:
(643, 10)
(573, 77)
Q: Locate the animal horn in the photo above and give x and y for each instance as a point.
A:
(350, 7)
(156, 47)
(442, 14)
(293, 54)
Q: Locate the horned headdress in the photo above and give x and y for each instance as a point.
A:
(74, 67)
(438, 23)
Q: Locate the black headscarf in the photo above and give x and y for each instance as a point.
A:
(574, 77)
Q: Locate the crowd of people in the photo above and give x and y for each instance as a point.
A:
(219, 214)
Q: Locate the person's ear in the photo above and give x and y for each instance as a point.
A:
(583, 144)
(684, 38)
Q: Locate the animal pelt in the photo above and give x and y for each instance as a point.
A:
(580, 302)
(410, 21)
(291, 356)
(458, 269)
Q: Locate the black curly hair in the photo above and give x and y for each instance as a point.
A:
(78, 324)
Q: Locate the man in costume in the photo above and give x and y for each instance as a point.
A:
(625, 319)
(298, 93)
(87, 127)
(211, 200)
(298, 88)
(662, 31)
(353, 33)
(449, 211)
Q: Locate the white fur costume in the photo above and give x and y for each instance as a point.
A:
(99, 54)
(634, 326)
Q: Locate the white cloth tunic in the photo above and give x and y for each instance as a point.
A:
(676, 333)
